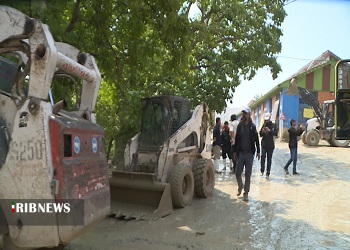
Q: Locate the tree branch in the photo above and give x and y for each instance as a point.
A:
(74, 19)
(200, 66)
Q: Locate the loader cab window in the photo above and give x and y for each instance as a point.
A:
(154, 128)
(175, 124)
(8, 71)
(328, 114)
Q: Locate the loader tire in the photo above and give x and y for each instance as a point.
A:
(181, 185)
(312, 138)
(5, 238)
(303, 137)
(204, 178)
(337, 143)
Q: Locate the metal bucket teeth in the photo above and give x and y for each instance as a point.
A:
(119, 214)
(129, 216)
(139, 217)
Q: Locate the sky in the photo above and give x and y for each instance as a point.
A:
(310, 28)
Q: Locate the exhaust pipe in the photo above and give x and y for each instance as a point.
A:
(58, 106)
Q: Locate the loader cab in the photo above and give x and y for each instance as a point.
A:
(161, 117)
(342, 102)
(328, 114)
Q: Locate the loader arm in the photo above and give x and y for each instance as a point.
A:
(82, 65)
(174, 145)
(312, 101)
(36, 43)
(309, 98)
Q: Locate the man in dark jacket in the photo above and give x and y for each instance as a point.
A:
(217, 144)
(226, 145)
(267, 132)
(293, 145)
(244, 149)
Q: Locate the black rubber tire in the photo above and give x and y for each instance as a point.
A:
(7, 244)
(303, 137)
(338, 143)
(312, 138)
(204, 178)
(181, 185)
(3, 143)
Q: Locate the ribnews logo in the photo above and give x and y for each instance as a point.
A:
(30, 207)
(35, 212)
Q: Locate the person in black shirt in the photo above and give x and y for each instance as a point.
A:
(246, 140)
(226, 145)
(217, 144)
(293, 145)
(267, 132)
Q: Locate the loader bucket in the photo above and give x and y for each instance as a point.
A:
(293, 87)
(139, 196)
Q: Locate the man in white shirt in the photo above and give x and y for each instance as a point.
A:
(233, 128)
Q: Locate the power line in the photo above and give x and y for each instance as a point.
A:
(302, 59)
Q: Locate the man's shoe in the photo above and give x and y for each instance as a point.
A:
(245, 197)
(295, 173)
(267, 176)
(239, 191)
(286, 170)
(224, 169)
(218, 171)
(262, 173)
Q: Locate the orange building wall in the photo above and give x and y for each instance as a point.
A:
(325, 96)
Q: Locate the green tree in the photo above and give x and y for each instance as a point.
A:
(145, 48)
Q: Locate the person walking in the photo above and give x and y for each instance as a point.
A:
(293, 145)
(226, 145)
(217, 144)
(246, 141)
(267, 132)
(233, 129)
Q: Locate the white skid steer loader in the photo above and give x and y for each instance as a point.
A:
(50, 159)
(166, 163)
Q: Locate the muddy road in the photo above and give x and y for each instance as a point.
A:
(309, 211)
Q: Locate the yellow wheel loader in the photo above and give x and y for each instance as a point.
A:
(166, 163)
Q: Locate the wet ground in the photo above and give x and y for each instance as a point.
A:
(309, 211)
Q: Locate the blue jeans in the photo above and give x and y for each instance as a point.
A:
(293, 158)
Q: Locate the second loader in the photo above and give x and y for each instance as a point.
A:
(167, 162)
(322, 126)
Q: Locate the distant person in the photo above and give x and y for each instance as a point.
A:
(267, 132)
(293, 145)
(246, 140)
(217, 144)
(233, 129)
(226, 145)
